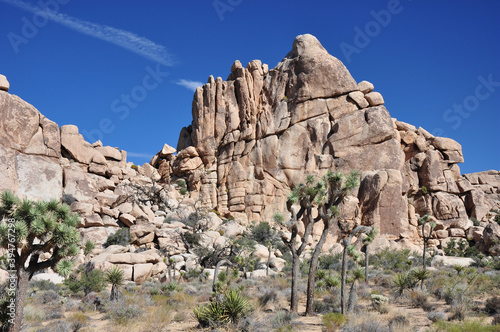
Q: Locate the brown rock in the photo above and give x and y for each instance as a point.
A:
(142, 272)
(77, 147)
(365, 87)
(110, 153)
(359, 98)
(141, 233)
(4, 84)
(374, 98)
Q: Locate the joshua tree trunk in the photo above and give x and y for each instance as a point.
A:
(423, 255)
(21, 286)
(294, 300)
(311, 280)
(352, 297)
(268, 260)
(366, 262)
(216, 272)
(344, 272)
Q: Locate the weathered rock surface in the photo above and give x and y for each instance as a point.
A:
(253, 138)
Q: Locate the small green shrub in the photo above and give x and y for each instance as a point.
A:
(333, 321)
(88, 247)
(230, 309)
(121, 237)
(86, 281)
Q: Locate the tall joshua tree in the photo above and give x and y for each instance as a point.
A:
(325, 195)
(346, 243)
(367, 241)
(424, 221)
(27, 230)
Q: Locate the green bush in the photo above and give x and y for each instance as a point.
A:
(230, 309)
(86, 281)
(121, 237)
(333, 321)
(462, 248)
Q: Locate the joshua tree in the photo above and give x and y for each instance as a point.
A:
(28, 230)
(115, 277)
(324, 195)
(424, 221)
(347, 242)
(367, 241)
(357, 274)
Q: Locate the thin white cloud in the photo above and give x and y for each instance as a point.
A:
(191, 85)
(125, 39)
(140, 155)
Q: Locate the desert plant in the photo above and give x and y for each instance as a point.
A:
(121, 237)
(88, 247)
(333, 321)
(492, 305)
(346, 243)
(435, 316)
(426, 220)
(325, 194)
(115, 277)
(357, 274)
(52, 225)
(86, 279)
(378, 301)
(403, 281)
(230, 309)
(420, 275)
(366, 241)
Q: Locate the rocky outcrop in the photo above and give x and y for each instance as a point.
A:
(254, 136)
(257, 134)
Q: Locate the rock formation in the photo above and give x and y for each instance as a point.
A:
(253, 137)
(257, 134)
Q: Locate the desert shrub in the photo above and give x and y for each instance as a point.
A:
(121, 237)
(47, 297)
(123, 313)
(395, 260)
(284, 321)
(42, 285)
(420, 300)
(365, 326)
(86, 281)
(492, 305)
(435, 316)
(398, 323)
(330, 262)
(460, 248)
(269, 295)
(379, 301)
(467, 326)
(233, 306)
(458, 312)
(34, 313)
(59, 326)
(403, 281)
(496, 320)
(333, 321)
(78, 321)
(88, 247)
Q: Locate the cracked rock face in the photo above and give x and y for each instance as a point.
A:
(261, 131)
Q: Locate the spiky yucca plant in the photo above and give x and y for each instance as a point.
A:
(29, 229)
(115, 277)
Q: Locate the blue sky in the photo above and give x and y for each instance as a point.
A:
(437, 63)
